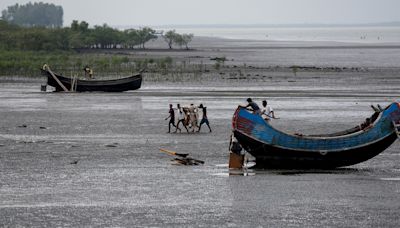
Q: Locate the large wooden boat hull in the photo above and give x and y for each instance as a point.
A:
(275, 149)
(268, 156)
(115, 85)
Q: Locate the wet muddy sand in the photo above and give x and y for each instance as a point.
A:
(93, 159)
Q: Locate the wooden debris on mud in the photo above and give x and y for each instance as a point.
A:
(182, 159)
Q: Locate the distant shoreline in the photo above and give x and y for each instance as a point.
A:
(302, 25)
(363, 35)
(214, 58)
(205, 42)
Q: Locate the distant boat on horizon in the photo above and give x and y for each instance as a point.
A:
(114, 85)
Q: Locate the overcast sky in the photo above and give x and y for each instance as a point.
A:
(181, 12)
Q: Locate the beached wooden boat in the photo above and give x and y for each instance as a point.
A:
(273, 148)
(116, 85)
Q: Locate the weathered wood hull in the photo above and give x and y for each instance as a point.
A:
(115, 85)
(269, 156)
(276, 149)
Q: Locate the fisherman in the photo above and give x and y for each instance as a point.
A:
(254, 107)
(234, 145)
(267, 112)
(236, 157)
(366, 125)
(181, 119)
(187, 116)
(45, 67)
(204, 119)
(88, 72)
(171, 118)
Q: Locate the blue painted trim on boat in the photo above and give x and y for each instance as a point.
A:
(256, 127)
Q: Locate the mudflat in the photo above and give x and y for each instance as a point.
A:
(93, 159)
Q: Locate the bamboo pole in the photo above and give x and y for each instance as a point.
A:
(57, 80)
(74, 84)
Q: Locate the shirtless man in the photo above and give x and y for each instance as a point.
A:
(171, 118)
(204, 119)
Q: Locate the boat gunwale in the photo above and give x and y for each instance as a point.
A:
(361, 131)
(137, 76)
(313, 137)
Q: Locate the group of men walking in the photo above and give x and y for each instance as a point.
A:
(188, 116)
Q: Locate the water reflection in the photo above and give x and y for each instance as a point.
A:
(249, 170)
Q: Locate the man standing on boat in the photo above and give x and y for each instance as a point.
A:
(254, 107)
(171, 118)
(267, 111)
(88, 72)
(204, 119)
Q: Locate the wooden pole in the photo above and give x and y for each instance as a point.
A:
(57, 80)
(74, 84)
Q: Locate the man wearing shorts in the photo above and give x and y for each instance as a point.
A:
(171, 118)
(204, 119)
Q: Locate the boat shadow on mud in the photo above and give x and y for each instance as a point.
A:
(253, 170)
(311, 171)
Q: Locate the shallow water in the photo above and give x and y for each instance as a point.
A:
(368, 34)
(122, 179)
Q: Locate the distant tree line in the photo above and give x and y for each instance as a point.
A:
(79, 35)
(36, 14)
(38, 26)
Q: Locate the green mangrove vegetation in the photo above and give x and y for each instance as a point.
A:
(28, 39)
(24, 49)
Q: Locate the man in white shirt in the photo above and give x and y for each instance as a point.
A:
(181, 119)
(267, 112)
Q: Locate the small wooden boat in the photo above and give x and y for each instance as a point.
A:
(273, 148)
(116, 85)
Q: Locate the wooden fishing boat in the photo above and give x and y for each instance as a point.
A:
(116, 85)
(273, 148)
